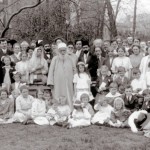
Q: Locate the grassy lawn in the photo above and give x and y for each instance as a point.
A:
(33, 137)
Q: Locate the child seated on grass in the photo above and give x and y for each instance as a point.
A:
(119, 115)
(130, 100)
(121, 80)
(113, 93)
(80, 116)
(59, 113)
(103, 112)
(6, 107)
(85, 102)
(23, 106)
(39, 109)
(138, 83)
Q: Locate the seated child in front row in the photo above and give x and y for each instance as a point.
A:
(138, 83)
(38, 111)
(104, 112)
(82, 113)
(23, 106)
(59, 113)
(119, 116)
(6, 107)
(130, 101)
(113, 93)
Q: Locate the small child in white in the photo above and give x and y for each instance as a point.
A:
(39, 109)
(60, 112)
(104, 112)
(80, 117)
(119, 116)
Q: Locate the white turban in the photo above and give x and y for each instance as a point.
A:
(62, 45)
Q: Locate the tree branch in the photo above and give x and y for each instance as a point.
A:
(15, 14)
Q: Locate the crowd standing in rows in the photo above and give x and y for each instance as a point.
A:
(101, 82)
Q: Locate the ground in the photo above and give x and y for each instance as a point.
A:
(33, 137)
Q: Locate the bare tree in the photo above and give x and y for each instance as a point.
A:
(134, 18)
(16, 13)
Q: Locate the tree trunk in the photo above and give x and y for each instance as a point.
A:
(102, 20)
(134, 19)
(113, 29)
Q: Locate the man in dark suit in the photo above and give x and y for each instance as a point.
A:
(3, 48)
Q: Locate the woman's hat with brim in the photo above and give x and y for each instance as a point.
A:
(77, 103)
(81, 63)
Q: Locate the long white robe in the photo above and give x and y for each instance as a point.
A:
(61, 76)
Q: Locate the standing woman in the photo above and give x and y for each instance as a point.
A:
(23, 67)
(122, 61)
(60, 76)
(136, 57)
(145, 63)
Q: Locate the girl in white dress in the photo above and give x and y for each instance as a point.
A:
(23, 67)
(122, 61)
(80, 116)
(39, 110)
(104, 112)
(138, 83)
(82, 82)
(23, 106)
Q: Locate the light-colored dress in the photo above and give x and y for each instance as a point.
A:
(61, 76)
(6, 110)
(138, 84)
(102, 114)
(82, 82)
(80, 118)
(23, 68)
(39, 112)
(136, 60)
(23, 104)
(123, 62)
(35, 62)
(59, 114)
(144, 66)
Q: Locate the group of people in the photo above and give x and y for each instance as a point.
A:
(98, 82)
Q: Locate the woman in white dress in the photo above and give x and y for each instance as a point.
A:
(38, 66)
(23, 67)
(122, 61)
(144, 66)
